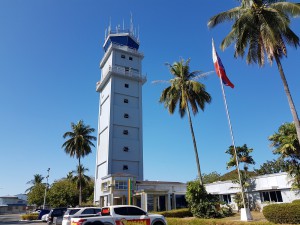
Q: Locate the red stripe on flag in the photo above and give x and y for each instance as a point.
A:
(220, 70)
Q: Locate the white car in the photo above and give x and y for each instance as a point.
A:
(45, 217)
(80, 212)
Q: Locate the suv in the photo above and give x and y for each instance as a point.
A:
(56, 212)
(80, 212)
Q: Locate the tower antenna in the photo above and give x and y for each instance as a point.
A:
(109, 26)
(131, 23)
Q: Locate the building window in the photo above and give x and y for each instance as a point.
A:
(126, 115)
(125, 132)
(126, 85)
(126, 100)
(130, 58)
(125, 167)
(123, 56)
(125, 149)
(104, 186)
(227, 198)
(271, 196)
(121, 185)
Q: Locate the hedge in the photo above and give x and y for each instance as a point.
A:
(283, 213)
(297, 201)
(31, 216)
(177, 213)
(197, 221)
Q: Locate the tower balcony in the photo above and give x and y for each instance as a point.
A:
(119, 47)
(120, 71)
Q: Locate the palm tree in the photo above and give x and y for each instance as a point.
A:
(243, 155)
(262, 27)
(69, 176)
(186, 92)
(79, 177)
(285, 142)
(37, 179)
(286, 145)
(79, 144)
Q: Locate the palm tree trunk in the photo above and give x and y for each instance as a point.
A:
(195, 146)
(79, 177)
(289, 97)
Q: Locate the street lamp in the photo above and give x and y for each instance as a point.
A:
(46, 188)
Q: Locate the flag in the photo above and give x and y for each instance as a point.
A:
(220, 70)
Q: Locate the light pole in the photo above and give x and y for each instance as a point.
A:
(46, 188)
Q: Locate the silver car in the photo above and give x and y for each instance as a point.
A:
(80, 212)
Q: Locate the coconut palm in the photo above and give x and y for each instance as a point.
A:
(37, 179)
(79, 144)
(262, 27)
(79, 177)
(187, 93)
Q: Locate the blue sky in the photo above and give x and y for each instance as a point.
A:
(49, 65)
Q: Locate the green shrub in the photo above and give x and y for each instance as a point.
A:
(31, 216)
(197, 221)
(297, 201)
(177, 213)
(282, 213)
(204, 205)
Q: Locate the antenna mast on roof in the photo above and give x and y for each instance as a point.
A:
(109, 26)
(131, 23)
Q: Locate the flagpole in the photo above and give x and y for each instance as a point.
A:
(233, 143)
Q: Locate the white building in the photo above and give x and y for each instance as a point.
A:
(263, 189)
(120, 131)
(120, 128)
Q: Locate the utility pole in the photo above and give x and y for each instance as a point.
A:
(48, 170)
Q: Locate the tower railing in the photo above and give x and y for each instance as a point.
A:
(128, 72)
(125, 48)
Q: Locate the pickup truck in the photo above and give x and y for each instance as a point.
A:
(121, 215)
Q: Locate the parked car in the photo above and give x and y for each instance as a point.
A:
(80, 212)
(43, 212)
(45, 217)
(56, 212)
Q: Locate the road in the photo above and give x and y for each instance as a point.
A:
(11, 219)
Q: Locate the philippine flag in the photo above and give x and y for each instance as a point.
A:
(220, 70)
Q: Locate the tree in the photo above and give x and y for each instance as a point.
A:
(79, 144)
(270, 167)
(37, 179)
(80, 178)
(286, 144)
(262, 27)
(211, 177)
(243, 155)
(63, 193)
(185, 92)
(36, 195)
(202, 204)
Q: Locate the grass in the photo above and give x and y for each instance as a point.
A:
(258, 219)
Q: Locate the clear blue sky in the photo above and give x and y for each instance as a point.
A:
(49, 65)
